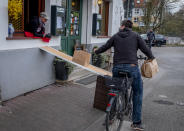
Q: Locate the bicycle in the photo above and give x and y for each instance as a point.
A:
(120, 99)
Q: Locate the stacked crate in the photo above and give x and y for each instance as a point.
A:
(101, 99)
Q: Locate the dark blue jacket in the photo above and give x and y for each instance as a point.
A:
(151, 35)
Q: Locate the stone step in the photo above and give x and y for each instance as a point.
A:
(79, 73)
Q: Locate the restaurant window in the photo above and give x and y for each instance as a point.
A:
(21, 12)
(136, 19)
(104, 11)
(136, 11)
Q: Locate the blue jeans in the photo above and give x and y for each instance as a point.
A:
(137, 87)
(150, 43)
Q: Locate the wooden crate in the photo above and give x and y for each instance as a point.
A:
(101, 99)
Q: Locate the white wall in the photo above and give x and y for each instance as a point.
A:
(141, 13)
(174, 40)
(117, 13)
(86, 22)
(25, 70)
(21, 44)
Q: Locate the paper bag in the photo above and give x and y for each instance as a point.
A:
(81, 57)
(149, 68)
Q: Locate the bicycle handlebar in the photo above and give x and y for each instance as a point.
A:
(142, 57)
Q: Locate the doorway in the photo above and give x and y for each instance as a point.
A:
(73, 25)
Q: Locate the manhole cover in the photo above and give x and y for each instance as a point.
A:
(88, 80)
(163, 102)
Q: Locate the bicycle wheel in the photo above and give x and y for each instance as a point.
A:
(114, 117)
(130, 106)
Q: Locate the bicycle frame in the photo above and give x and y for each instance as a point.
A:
(112, 97)
(114, 94)
(120, 99)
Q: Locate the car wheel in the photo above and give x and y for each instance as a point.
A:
(158, 44)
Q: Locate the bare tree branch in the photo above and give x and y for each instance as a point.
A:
(154, 12)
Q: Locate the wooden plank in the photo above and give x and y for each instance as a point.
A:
(68, 58)
(57, 53)
(96, 69)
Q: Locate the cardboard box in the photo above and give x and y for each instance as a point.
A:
(81, 57)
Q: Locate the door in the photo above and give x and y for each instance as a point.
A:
(73, 25)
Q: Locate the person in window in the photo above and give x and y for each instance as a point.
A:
(151, 37)
(38, 25)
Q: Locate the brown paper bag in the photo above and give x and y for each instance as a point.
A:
(81, 57)
(149, 68)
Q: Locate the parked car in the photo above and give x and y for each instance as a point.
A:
(144, 37)
(159, 39)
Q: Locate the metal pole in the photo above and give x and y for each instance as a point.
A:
(87, 26)
(128, 8)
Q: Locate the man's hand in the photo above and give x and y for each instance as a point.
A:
(95, 49)
(44, 35)
(150, 60)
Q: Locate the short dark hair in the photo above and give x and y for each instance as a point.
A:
(127, 23)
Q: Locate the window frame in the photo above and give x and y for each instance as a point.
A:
(106, 19)
(136, 19)
(19, 35)
(137, 10)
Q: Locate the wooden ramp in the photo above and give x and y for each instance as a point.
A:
(68, 58)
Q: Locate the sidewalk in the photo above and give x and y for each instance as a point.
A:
(56, 107)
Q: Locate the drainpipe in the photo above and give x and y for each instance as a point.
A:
(128, 8)
(87, 26)
(1, 103)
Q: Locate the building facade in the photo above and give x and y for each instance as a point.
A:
(138, 13)
(24, 67)
(128, 7)
(134, 11)
(110, 23)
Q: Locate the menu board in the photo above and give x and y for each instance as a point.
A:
(59, 22)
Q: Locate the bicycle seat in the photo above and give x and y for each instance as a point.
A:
(124, 74)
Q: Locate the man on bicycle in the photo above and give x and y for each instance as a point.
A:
(126, 44)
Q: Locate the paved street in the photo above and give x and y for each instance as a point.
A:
(163, 108)
(68, 107)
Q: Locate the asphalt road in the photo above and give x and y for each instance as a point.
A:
(163, 106)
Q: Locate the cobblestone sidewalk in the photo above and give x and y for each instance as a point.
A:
(53, 108)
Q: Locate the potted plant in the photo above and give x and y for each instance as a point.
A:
(15, 8)
(62, 69)
(98, 60)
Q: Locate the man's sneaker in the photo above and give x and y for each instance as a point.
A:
(138, 127)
